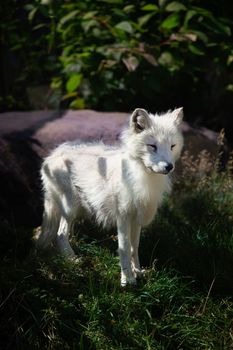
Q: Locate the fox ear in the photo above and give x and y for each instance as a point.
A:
(177, 115)
(139, 120)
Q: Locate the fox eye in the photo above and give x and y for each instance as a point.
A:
(154, 147)
(172, 146)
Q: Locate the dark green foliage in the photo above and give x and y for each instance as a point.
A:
(196, 226)
(109, 55)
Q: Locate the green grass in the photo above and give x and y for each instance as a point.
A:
(52, 304)
(184, 301)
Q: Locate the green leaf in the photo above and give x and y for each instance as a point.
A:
(69, 95)
(67, 18)
(29, 7)
(73, 82)
(39, 26)
(90, 14)
(230, 60)
(202, 11)
(189, 15)
(171, 21)
(200, 35)
(195, 50)
(78, 103)
(216, 27)
(129, 8)
(125, 26)
(150, 7)
(151, 59)
(175, 6)
(112, 1)
(144, 19)
(56, 83)
(166, 59)
(220, 27)
(229, 87)
(32, 13)
(88, 24)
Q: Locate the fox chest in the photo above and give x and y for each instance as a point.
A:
(146, 207)
(146, 213)
(143, 196)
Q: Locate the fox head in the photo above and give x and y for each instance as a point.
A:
(155, 140)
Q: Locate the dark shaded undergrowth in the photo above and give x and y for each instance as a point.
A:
(183, 302)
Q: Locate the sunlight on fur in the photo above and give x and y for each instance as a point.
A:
(115, 186)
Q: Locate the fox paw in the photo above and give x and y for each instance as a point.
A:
(139, 273)
(128, 281)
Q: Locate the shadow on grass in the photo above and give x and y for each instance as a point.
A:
(195, 238)
(47, 302)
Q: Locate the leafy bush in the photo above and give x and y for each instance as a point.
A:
(111, 54)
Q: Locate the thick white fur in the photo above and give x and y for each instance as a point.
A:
(121, 186)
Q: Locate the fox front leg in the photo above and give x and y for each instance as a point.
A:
(135, 239)
(124, 247)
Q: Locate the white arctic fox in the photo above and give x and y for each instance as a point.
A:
(117, 186)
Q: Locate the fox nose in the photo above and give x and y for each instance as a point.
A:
(169, 167)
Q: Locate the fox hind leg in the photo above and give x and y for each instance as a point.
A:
(46, 235)
(62, 239)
